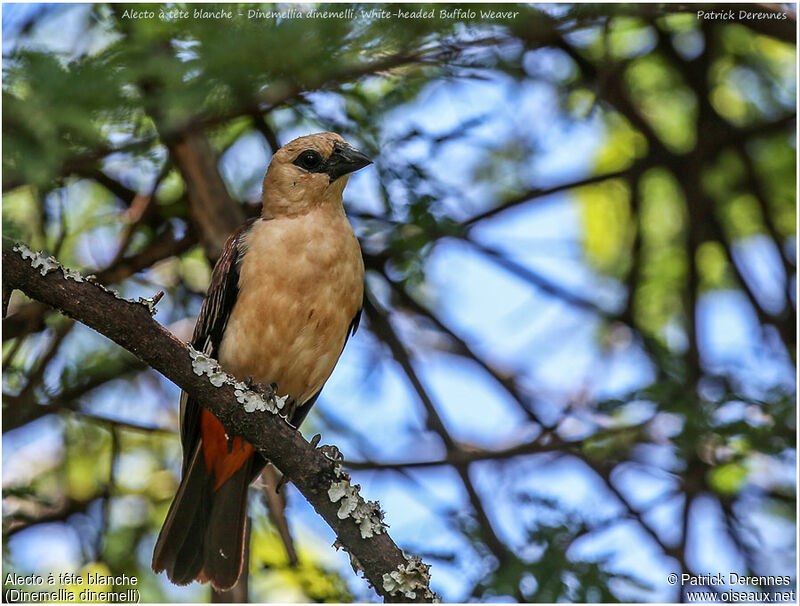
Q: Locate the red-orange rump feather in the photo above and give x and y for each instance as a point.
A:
(223, 457)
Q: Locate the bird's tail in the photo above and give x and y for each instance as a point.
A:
(203, 535)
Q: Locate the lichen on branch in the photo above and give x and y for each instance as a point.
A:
(263, 399)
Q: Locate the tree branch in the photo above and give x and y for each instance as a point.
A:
(382, 329)
(545, 443)
(210, 204)
(507, 381)
(57, 513)
(21, 410)
(29, 317)
(314, 471)
(540, 282)
(538, 193)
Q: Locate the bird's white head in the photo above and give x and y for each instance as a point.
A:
(308, 172)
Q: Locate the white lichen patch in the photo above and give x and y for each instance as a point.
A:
(253, 401)
(366, 514)
(39, 260)
(369, 517)
(71, 274)
(47, 264)
(218, 379)
(338, 490)
(203, 365)
(408, 579)
(250, 400)
(346, 495)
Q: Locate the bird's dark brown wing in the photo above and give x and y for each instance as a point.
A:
(214, 314)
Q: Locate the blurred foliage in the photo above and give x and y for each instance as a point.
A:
(692, 119)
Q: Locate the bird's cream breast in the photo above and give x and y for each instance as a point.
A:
(300, 286)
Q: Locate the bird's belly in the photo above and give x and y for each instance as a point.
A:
(293, 345)
(292, 316)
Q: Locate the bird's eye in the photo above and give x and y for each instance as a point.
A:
(309, 160)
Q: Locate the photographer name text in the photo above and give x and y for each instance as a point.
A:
(733, 587)
(741, 15)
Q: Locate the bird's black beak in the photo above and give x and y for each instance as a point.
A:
(345, 160)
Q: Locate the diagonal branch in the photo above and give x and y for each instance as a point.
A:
(756, 185)
(210, 205)
(314, 471)
(29, 317)
(21, 410)
(37, 373)
(545, 443)
(261, 124)
(538, 193)
(381, 327)
(539, 281)
(507, 381)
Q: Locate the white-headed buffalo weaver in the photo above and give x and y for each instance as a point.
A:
(285, 295)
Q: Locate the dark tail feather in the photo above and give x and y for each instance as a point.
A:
(179, 547)
(203, 534)
(225, 532)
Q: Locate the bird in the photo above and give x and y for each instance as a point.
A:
(285, 295)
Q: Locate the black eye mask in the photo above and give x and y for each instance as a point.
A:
(342, 161)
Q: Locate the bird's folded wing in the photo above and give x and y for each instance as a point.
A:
(214, 314)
